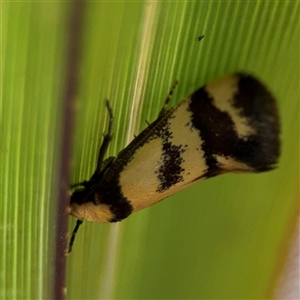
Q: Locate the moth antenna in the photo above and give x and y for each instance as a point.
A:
(147, 122)
(165, 107)
(72, 240)
(107, 137)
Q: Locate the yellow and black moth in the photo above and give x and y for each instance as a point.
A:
(230, 125)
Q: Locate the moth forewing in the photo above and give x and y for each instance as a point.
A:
(169, 159)
(229, 125)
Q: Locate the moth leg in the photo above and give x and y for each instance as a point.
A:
(82, 183)
(165, 107)
(107, 138)
(78, 223)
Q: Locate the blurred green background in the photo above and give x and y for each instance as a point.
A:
(225, 238)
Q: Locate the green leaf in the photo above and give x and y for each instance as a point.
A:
(222, 238)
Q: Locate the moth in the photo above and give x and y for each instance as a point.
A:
(230, 125)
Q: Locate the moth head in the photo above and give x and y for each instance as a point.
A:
(83, 207)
